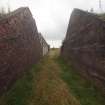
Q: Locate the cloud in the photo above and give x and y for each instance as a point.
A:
(52, 16)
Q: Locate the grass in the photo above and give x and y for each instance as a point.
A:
(21, 90)
(101, 16)
(82, 89)
(52, 82)
(49, 88)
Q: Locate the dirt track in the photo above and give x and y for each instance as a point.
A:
(49, 88)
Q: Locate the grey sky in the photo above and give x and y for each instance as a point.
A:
(52, 16)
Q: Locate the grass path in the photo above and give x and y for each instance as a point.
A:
(49, 88)
(52, 82)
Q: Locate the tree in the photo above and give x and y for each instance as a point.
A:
(9, 10)
(2, 11)
(92, 10)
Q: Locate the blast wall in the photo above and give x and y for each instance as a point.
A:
(20, 46)
(84, 46)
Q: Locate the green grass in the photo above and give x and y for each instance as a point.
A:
(82, 89)
(101, 16)
(21, 91)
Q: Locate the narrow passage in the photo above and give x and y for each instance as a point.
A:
(48, 87)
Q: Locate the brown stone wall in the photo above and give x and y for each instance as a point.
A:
(84, 45)
(19, 46)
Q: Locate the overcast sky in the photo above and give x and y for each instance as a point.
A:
(52, 16)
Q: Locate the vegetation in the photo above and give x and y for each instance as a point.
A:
(41, 86)
(21, 91)
(102, 16)
(3, 11)
(82, 89)
(49, 88)
(52, 82)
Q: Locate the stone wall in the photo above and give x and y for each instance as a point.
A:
(84, 46)
(19, 46)
(44, 46)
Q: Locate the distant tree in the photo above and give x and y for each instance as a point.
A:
(9, 9)
(2, 12)
(91, 10)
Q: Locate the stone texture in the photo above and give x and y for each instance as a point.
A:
(84, 45)
(44, 46)
(19, 46)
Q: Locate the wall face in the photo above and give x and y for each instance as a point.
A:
(19, 46)
(44, 46)
(84, 45)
